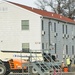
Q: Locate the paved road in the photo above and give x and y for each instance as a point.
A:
(19, 74)
(66, 73)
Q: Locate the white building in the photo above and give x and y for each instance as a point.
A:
(23, 28)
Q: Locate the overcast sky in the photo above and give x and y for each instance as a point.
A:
(30, 3)
(25, 2)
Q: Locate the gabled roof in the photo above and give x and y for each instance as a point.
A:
(45, 13)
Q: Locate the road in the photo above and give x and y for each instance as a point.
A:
(18, 74)
(63, 73)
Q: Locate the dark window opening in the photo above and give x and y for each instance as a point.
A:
(72, 49)
(66, 49)
(42, 25)
(63, 28)
(66, 29)
(42, 45)
(54, 27)
(55, 48)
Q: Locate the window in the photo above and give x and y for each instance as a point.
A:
(51, 26)
(49, 33)
(63, 28)
(72, 30)
(25, 47)
(46, 45)
(42, 45)
(54, 27)
(72, 49)
(42, 25)
(66, 29)
(66, 49)
(55, 48)
(25, 24)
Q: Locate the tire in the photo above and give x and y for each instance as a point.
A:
(34, 71)
(2, 69)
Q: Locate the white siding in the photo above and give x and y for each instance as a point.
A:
(11, 35)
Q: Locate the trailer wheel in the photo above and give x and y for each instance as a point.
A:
(34, 71)
(2, 69)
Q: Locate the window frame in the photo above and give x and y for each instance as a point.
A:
(24, 26)
(25, 49)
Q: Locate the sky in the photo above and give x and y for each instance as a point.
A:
(30, 3)
(25, 2)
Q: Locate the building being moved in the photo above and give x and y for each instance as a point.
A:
(23, 28)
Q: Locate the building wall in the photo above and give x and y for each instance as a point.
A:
(58, 38)
(11, 34)
(53, 38)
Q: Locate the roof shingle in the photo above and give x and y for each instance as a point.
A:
(45, 13)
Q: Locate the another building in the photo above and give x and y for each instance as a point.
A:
(23, 28)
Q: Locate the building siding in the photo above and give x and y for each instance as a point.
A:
(50, 38)
(11, 35)
(58, 38)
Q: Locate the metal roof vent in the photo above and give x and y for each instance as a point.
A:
(52, 14)
(60, 16)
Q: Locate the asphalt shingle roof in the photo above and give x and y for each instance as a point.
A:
(45, 13)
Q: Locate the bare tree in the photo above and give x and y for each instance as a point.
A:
(64, 7)
(41, 4)
(69, 8)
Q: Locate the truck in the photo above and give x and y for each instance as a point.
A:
(12, 62)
